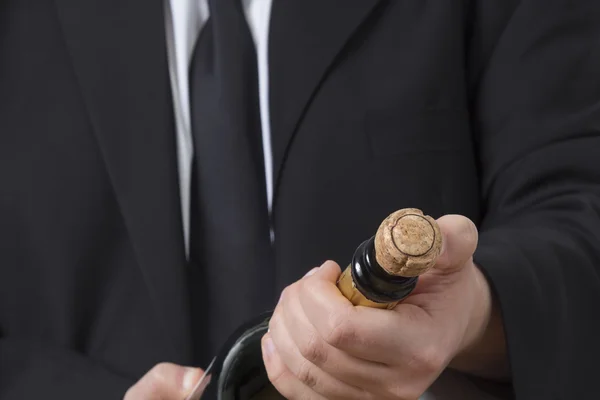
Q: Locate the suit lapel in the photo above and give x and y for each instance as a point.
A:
(305, 39)
(119, 54)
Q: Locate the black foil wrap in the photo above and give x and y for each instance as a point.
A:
(373, 281)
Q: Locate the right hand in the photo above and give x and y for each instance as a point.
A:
(165, 382)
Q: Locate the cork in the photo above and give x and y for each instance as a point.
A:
(407, 243)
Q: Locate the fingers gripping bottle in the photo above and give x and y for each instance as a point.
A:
(384, 270)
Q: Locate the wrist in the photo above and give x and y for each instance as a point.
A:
(483, 349)
(481, 314)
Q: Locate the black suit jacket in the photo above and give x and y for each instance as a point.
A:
(490, 109)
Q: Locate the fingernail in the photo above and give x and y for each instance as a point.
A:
(189, 378)
(268, 347)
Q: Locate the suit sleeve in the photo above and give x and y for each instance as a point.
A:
(537, 125)
(29, 370)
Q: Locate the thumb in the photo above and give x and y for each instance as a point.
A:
(165, 381)
(459, 238)
(329, 271)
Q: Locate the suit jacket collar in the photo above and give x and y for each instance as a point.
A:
(118, 49)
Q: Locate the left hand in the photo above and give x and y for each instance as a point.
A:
(167, 381)
(322, 347)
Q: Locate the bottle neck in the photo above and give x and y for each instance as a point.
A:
(374, 282)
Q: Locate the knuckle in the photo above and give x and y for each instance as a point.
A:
(280, 379)
(130, 394)
(367, 395)
(340, 331)
(285, 293)
(429, 360)
(159, 372)
(288, 295)
(401, 393)
(154, 388)
(311, 286)
(273, 320)
(314, 350)
(305, 374)
(398, 391)
(308, 286)
(276, 374)
(393, 391)
(276, 319)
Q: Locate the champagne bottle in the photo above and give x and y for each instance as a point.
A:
(384, 270)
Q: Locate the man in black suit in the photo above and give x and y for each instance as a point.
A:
(114, 260)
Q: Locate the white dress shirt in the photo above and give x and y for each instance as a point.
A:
(184, 20)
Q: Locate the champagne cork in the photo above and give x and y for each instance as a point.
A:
(385, 269)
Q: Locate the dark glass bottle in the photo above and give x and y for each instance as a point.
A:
(238, 371)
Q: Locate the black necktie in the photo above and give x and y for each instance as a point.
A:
(230, 245)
